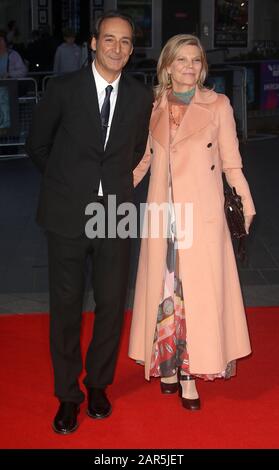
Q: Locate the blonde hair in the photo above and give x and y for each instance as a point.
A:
(168, 55)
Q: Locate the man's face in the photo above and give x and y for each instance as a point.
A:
(113, 47)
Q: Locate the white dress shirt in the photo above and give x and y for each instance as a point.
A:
(101, 85)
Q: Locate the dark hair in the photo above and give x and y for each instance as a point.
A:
(113, 14)
(69, 33)
(3, 35)
(11, 24)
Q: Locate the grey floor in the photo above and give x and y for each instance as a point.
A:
(23, 254)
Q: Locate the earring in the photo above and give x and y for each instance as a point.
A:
(169, 79)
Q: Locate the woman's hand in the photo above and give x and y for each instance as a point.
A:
(248, 221)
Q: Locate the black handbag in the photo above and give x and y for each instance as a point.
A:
(235, 219)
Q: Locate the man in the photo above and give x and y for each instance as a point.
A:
(88, 134)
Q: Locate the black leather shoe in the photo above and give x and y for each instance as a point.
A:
(99, 406)
(167, 389)
(192, 404)
(65, 420)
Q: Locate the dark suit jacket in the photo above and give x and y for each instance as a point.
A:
(65, 142)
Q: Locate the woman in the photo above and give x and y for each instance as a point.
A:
(188, 317)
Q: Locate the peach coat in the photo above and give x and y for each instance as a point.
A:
(204, 145)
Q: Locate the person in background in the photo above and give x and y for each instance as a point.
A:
(68, 54)
(11, 63)
(188, 317)
(12, 33)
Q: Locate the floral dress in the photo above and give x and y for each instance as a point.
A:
(170, 339)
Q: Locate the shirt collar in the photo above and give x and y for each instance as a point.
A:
(101, 83)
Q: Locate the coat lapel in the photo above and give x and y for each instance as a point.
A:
(121, 105)
(159, 123)
(197, 117)
(91, 104)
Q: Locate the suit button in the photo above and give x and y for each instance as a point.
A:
(212, 168)
(209, 145)
(151, 151)
(173, 149)
(101, 164)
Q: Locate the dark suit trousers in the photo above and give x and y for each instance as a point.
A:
(110, 269)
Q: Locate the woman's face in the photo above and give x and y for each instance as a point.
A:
(186, 68)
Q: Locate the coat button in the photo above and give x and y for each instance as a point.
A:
(151, 150)
(209, 145)
(212, 168)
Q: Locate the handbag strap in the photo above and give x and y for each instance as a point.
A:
(241, 249)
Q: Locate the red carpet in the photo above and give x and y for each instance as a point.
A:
(239, 413)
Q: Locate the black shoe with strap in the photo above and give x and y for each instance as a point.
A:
(191, 404)
(65, 420)
(99, 406)
(168, 388)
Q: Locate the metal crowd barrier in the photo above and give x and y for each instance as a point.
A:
(150, 75)
(15, 115)
(45, 80)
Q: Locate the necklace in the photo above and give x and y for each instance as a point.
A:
(173, 119)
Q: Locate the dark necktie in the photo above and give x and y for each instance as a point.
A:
(105, 112)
